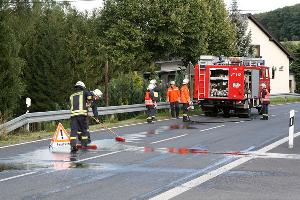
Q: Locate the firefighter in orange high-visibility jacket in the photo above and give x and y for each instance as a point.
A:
(150, 104)
(265, 99)
(185, 99)
(173, 96)
(156, 96)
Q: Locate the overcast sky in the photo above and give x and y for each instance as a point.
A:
(249, 6)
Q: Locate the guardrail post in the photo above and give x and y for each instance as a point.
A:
(28, 104)
(27, 125)
(291, 129)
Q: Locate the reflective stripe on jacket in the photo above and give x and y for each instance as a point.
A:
(79, 103)
(148, 99)
(184, 94)
(173, 94)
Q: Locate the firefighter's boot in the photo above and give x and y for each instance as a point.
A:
(264, 117)
(74, 149)
(185, 118)
(149, 120)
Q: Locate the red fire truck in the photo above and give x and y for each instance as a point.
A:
(230, 84)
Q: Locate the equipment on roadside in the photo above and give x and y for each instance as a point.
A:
(117, 137)
(60, 141)
(89, 146)
(230, 84)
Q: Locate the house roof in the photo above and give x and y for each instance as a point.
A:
(271, 38)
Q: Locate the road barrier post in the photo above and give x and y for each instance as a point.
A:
(291, 129)
(28, 104)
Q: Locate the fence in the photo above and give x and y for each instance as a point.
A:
(66, 114)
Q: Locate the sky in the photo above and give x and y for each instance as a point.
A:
(246, 6)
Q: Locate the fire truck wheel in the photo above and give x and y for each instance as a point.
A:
(226, 113)
(244, 113)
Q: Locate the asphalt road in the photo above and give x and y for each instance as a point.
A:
(212, 158)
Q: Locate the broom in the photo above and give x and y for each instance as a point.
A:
(117, 137)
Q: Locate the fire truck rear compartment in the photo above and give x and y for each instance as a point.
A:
(239, 108)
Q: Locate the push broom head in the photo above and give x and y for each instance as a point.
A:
(120, 139)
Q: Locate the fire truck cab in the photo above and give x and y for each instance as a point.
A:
(229, 84)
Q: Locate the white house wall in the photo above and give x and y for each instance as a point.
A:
(274, 57)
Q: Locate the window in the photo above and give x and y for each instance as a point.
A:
(273, 72)
(256, 51)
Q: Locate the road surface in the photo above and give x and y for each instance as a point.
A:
(211, 158)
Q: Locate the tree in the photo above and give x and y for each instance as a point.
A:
(122, 39)
(294, 47)
(283, 23)
(221, 33)
(11, 65)
(48, 73)
(195, 31)
(243, 38)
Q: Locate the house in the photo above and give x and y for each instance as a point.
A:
(276, 56)
(168, 70)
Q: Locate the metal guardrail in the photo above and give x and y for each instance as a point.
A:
(66, 114)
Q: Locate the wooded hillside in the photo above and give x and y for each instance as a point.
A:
(284, 23)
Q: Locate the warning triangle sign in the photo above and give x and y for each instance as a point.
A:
(60, 141)
(61, 135)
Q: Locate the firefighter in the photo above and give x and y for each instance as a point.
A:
(97, 94)
(155, 99)
(79, 113)
(185, 99)
(173, 96)
(149, 102)
(265, 99)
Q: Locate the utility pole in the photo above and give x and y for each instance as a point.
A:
(106, 83)
(190, 68)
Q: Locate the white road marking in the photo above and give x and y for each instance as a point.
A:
(204, 178)
(169, 139)
(211, 128)
(276, 155)
(99, 156)
(185, 134)
(13, 145)
(18, 176)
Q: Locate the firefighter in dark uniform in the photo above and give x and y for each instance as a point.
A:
(79, 113)
(97, 94)
(265, 99)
